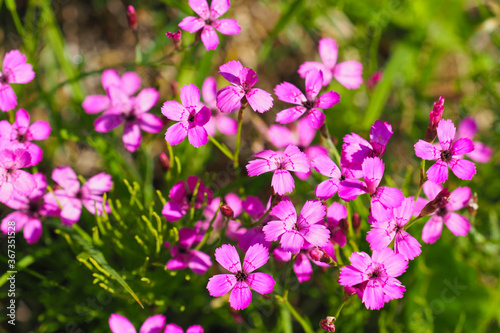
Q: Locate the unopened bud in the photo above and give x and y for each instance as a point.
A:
(439, 201)
(132, 18)
(374, 79)
(164, 161)
(176, 38)
(344, 226)
(317, 254)
(434, 118)
(226, 210)
(349, 291)
(356, 222)
(328, 324)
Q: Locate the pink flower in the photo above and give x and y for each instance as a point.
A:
(133, 112)
(29, 210)
(336, 215)
(129, 83)
(209, 22)
(14, 70)
(226, 125)
(120, 324)
(375, 277)
(192, 116)
(21, 133)
(240, 282)
(304, 134)
(457, 224)
(302, 265)
(389, 225)
(373, 171)
(173, 328)
(292, 231)
(14, 181)
(355, 149)
(72, 196)
(325, 166)
(438, 173)
(242, 80)
(434, 119)
(183, 256)
(176, 38)
(292, 159)
(180, 198)
(310, 103)
(132, 18)
(348, 73)
(468, 129)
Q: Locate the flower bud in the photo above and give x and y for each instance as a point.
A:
(356, 222)
(434, 118)
(164, 161)
(328, 324)
(472, 206)
(344, 226)
(320, 255)
(132, 18)
(226, 210)
(349, 291)
(374, 79)
(439, 201)
(176, 38)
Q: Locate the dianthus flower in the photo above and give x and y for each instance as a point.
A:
(12, 179)
(226, 125)
(468, 129)
(120, 324)
(183, 256)
(173, 328)
(14, 70)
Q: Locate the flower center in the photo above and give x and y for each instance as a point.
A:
(191, 118)
(308, 104)
(240, 276)
(182, 250)
(446, 156)
(442, 211)
(3, 79)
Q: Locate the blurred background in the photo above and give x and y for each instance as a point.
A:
(423, 49)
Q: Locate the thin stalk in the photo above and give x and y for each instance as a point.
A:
(333, 150)
(422, 179)
(209, 230)
(222, 148)
(236, 157)
(305, 325)
(352, 239)
(412, 221)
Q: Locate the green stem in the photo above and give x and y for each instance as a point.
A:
(236, 157)
(193, 199)
(11, 6)
(209, 230)
(305, 325)
(422, 179)
(221, 147)
(412, 221)
(337, 314)
(333, 150)
(352, 239)
(287, 277)
(264, 215)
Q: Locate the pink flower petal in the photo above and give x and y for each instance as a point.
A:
(311, 65)
(176, 133)
(302, 268)
(446, 133)
(350, 189)
(190, 96)
(314, 81)
(459, 198)
(194, 329)
(240, 296)
(132, 136)
(66, 178)
(146, 99)
(273, 230)
(348, 73)
(295, 160)
(99, 183)
(209, 91)
(39, 130)
(317, 235)
(306, 133)
(462, 146)
(426, 151)
(120, 324)
(150, 123)
(327, 189)
(325, 166)
(95, 103)
(172, 211)
(431, 189)
(8, 99)
(260, 100)
(388, 196)
(228, 99)
(154, 324)
(432, 229)
(481, 153)
(289, 115)
(231, 71)
(289, 93)
(328, 51)
(32, 231)
(228, 257)
(173, 110)
(202, 116)
(467, 128)
(407, 245)
(16, 69)
(282, 182)
(108, 122)
(438, 173)
(316, 118)
(257, 256)
(130, 82)
(327, 100)
(218, 8)
(457, 224)
(200, 7)
(192, 24)
(221, 284)
(262, 283)
(110, 78)
(173, 328)
(200, 262)
(292, 241)
(227, 26)
(463, 169)
(373, 170)
(373, 295)
(197, 136)
(281, 136)
(209, 38)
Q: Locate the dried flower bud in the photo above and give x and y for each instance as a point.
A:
(356, 222)
(328, 324)
(374, 79)
(132, 18)
(226, 210)
(164, 161)
(344, 226)
(434, 118)
(320, 255)
(439, 201)
(176, 38)
(472, 206)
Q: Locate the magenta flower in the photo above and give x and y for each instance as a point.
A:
(72, 196)
(468, 129)
(14, 70)
(373, 171)
(447, 155)
(302, 265)
(456, 223)
(242, 80)
(173, 328)
(180, 198)
(348, 73)
(129, 83)
(292, 159)
(310, 103)
(29, 209)
(292, 231)
(389, 225)
(355, 149)
(325, 166)
(14, 181)
(375, 277)
(120, 324)
(183, 256)
(21, 133)
(255, 209)
(209, 22)
(191, 116)
(336, 215)
(133, 111)
(226, 125)
(304, 134)
(240, 282)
